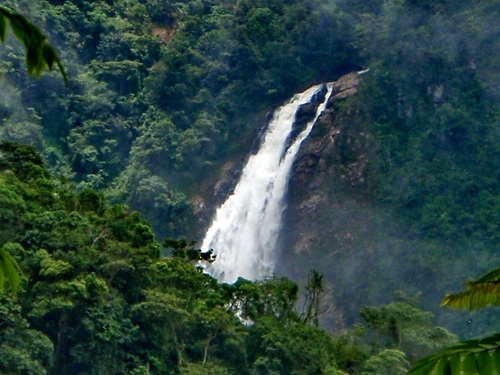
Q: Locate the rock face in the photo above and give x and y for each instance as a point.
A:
(305, 114)
(334, 225)
(214, 192)
(334, 148)
(329, 221)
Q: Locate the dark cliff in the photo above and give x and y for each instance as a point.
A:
(331, 223)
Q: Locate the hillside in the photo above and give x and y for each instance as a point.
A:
(395, 193)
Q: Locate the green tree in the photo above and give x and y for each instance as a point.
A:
(203, 369)
(293, 349)
(23, 350)
(312, 303)
(387, 362)
(473, 357)
(100, 300)
(404, 326)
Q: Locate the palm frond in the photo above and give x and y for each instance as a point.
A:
(479, 293)
(476, 296)
(9, 271)
(3, 26)
(474, 357)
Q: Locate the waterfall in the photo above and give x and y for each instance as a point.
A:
(245, 229)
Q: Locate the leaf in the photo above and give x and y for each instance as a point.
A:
(33, 61)
(479, 293)
(443, 367)
(20, 28)
(484, 364)
(9, 271)
(455, 364)
(469, 364)
(49, 55)
(3, 27)
(2, 275)
(478, 355)
(39, 54)
(496, 359)
(424, 366)
(490, 276)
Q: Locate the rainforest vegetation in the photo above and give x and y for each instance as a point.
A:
(97, 174)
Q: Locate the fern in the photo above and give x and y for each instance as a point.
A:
(9, 271)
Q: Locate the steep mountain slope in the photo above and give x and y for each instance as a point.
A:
(397, 188)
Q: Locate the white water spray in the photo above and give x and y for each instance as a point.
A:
(245, 230)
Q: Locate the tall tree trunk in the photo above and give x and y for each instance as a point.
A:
(210, 337)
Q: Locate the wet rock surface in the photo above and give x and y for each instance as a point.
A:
(334, 147)
(326, 226)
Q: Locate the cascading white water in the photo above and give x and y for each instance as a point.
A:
(245, 230)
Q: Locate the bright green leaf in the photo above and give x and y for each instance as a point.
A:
(9, 271)
(484, 364)
(496, 359)
(469, 364)
(455, 364)
(424, 366)
(443, 367)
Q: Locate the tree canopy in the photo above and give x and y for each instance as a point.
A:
(164, 103)
(96, 296)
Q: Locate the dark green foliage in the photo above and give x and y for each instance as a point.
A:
(428, 106)
(150, 118)
(294, 350)
(23, 160)
(98, 299)
(39, 54)
(165, 89)
(433, 120)
(162, 94)
(183, 250)
(23, 350)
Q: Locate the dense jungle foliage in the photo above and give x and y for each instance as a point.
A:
(161, 93)
(97, 298)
